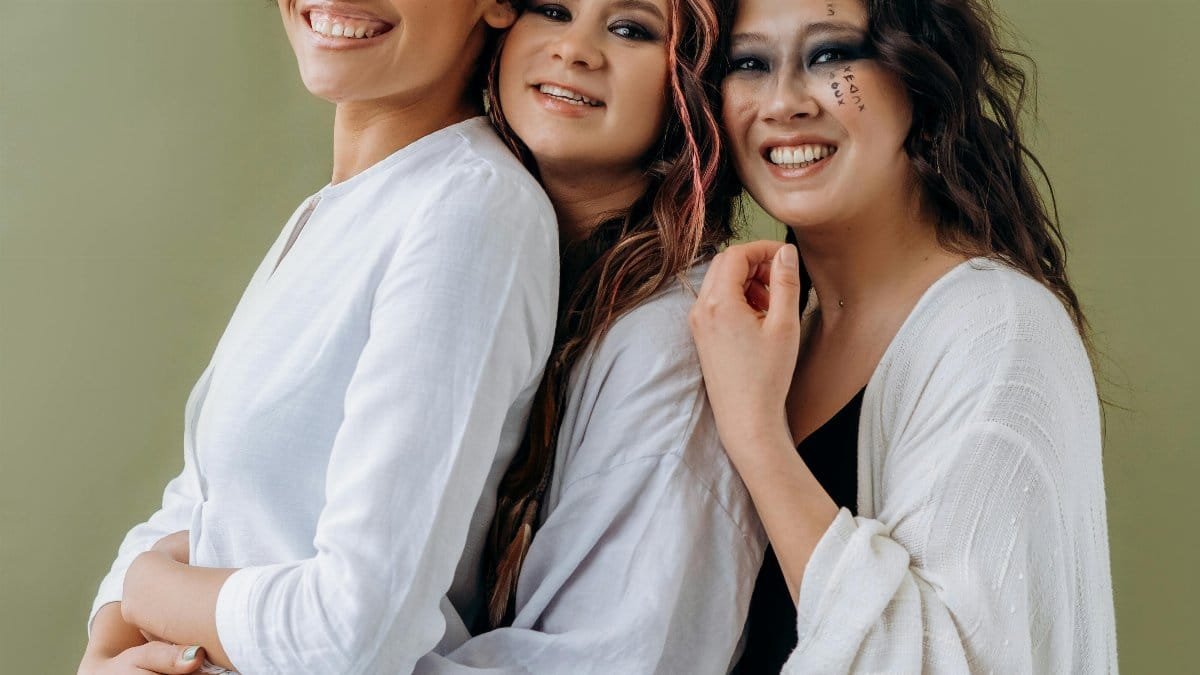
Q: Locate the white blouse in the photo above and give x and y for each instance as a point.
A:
(981, 543)
(649, 548)
(344, 445)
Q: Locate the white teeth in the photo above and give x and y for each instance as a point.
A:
(800, 155)
(567, 95)
(324, 26)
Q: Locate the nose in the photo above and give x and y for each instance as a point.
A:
(789, 99)
(576, 47)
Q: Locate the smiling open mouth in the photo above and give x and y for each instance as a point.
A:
(567, 96)
(345, 27)
(799, 156)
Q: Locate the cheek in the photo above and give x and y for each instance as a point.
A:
(511, 74)
(870, 103)
(895, 106)
(845, 90)
(646, 100)
(737, 110)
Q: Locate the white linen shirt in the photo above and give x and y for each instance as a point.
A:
(649, 547)
(981, 544)
(344, 445)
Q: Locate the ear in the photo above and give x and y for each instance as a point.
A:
(499, 14)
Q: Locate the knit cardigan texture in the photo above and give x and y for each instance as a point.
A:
(981, 542)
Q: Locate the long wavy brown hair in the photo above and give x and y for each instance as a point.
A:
(682, 218)
(976, 172)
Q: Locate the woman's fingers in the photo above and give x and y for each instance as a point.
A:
(758, 295)
(152, 657)
(160, 657)
(743, 263)
(710, 275)
(739, 286)
(755, 252)
(730, 273)
(784, 307)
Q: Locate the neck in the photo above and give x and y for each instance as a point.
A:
(582, 199)
(365, 132)
(862, 267)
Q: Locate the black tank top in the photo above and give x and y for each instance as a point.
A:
(831, 453)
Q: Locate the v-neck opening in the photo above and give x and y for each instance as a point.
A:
(305, 215)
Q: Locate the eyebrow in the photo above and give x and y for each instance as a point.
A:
(817, 27)
(644, 5)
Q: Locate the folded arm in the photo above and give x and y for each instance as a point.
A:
(460, 324)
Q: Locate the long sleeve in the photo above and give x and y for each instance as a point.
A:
(179, 501)
(460, 325)
(957, 584)
(983, 543)
(646, 560)
(183, 493)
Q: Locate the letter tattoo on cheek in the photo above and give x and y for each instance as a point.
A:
(830, 9)
(855, 92)
(839, 92)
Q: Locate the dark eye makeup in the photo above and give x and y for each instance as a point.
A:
(839, 50)
(824, 53)
(551, 11)
(746, 63)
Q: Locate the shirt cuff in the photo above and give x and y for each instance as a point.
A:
(111, 590)
(235, 620)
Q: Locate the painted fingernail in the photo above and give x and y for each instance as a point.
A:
(189, 654)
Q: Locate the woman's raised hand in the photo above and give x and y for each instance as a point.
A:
(746, 323)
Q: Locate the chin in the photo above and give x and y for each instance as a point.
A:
(559, 149)
(328, 86)
(798, 216)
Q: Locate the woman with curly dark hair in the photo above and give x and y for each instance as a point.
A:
(624, 541)
(918, 339)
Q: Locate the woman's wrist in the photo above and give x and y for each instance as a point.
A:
(755, 434)
(759, 444)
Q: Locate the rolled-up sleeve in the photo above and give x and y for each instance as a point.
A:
(460, 326)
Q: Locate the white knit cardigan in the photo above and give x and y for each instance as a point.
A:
(981, 543)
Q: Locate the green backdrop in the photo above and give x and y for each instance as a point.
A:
(150, 151)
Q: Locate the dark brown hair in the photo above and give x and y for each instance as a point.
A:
(683, 217)
(965, 144)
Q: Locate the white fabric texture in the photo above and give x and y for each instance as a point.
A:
(981, 542)
(344, 446)
(649, 548)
